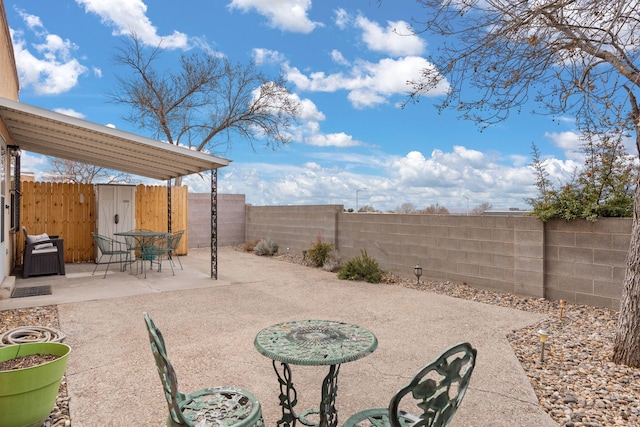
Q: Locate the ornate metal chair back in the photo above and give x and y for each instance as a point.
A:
(165, 370)
(214, 406)
(438, 389)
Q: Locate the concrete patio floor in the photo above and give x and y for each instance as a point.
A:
(209, 327)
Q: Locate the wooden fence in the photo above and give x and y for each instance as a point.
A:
(69, 211)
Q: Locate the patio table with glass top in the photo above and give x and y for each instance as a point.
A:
(312, 343)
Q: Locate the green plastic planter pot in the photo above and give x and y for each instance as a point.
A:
(28, 395)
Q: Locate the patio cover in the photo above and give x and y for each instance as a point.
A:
(46, 132)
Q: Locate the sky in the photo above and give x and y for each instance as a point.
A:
(347, 62)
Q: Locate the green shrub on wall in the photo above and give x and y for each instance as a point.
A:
(362, 267)
(319, 254)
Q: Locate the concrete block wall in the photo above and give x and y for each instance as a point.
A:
(231, 219)
(294, 227)
(579, 261)
(585, 262)
(494, 252)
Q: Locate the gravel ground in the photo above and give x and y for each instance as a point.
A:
(575, 383)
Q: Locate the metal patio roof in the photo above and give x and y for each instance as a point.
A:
(46, 132)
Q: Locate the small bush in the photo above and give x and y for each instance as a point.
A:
(333, 262)
(362, 267)
(248, 246)
(265, 247)
(319, 254)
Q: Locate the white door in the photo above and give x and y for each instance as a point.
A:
(116, 210)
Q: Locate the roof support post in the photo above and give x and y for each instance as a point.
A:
(16, 188)
(214, 223)
(169, 205)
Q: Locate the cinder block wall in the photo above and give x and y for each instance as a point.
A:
(585, 262)
(293, 227)
(231, 219)
(500, 253)
(579, 261)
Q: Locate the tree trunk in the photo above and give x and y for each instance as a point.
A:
(626, 348)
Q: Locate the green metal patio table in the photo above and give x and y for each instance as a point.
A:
(142, 239)
(313, 343)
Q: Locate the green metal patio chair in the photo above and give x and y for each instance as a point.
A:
(174, 241)
(136, 244)
(437, 390)
(111, 247)
(225, 406)
(154, 250)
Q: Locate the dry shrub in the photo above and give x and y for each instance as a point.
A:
(250, 245)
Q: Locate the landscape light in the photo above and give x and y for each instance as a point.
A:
(543, 335)
(417, 270)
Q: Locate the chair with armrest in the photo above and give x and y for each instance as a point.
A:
(112, 248)
(154, 250)
(226, 406)
(43, 255)
(174, 241)
(136, 243)
(437, 390)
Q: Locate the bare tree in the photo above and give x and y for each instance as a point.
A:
(367, 208)
(576, 57)
(481, 208)
(434, 210)
(206, 101)
(406, 208)
(81, 173)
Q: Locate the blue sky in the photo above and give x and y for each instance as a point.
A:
(346, 64)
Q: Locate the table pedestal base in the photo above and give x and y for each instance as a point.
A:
(289, 399)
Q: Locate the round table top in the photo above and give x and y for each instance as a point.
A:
(315, 342)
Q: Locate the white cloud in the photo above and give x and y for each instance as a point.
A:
(443, 177)
(569, 142)
(341, 18)
(309, 111)
(396, 39)
(266, 56)
(368, 83)
(129, 16)
(478, 175)
(308, 130)
(51, 69)
(339, 139)
(70, 112)
(286, 15)
(33, 22)
(336, 56)
(31, 162)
